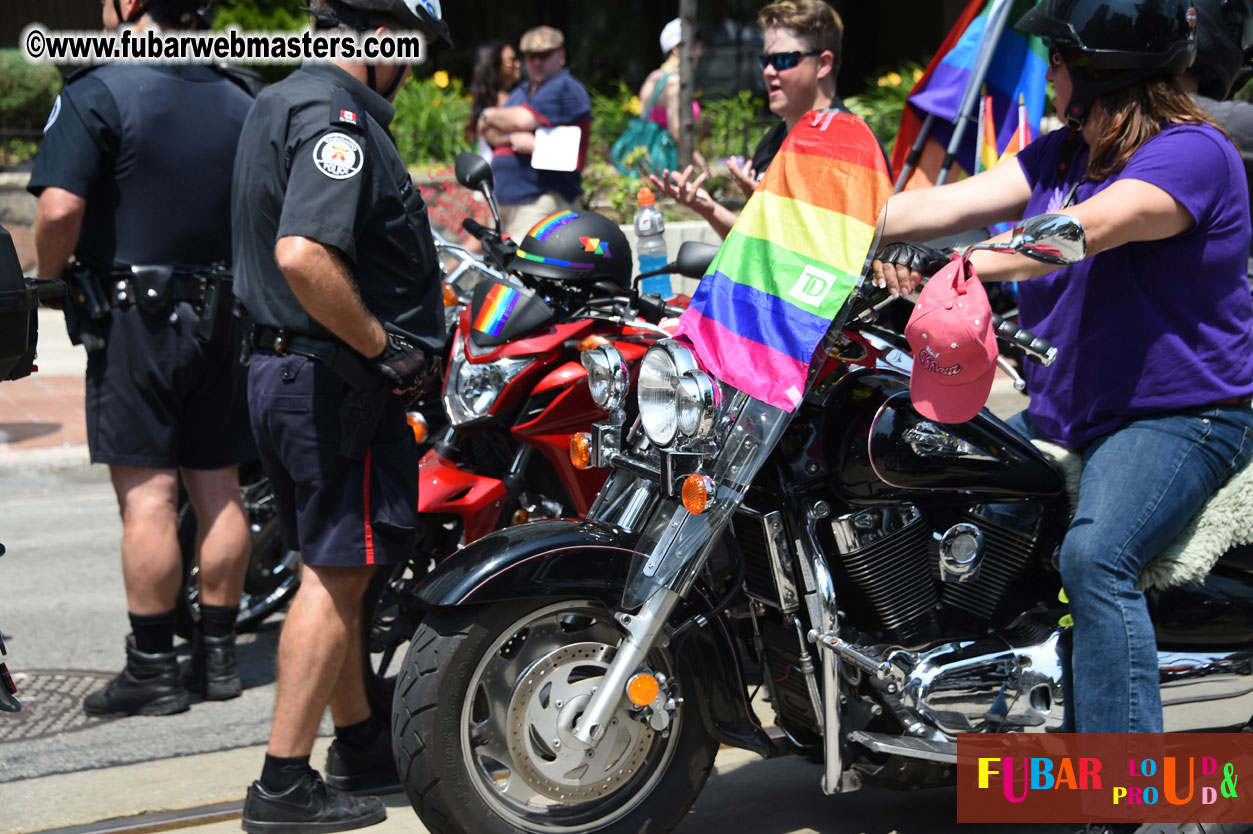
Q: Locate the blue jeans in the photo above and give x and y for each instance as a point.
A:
(1141, 486)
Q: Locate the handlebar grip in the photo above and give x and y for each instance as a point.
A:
(474, 227)
(1032, 346)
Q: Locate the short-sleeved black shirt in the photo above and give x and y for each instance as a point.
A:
(316, 160)
(121, 137)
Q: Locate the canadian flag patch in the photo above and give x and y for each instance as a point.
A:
(348, 116)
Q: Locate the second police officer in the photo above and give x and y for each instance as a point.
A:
(129, 175)
(337, 269)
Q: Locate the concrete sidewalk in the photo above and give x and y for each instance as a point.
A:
(42, 418)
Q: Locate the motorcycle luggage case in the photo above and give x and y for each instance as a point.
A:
(19, 326)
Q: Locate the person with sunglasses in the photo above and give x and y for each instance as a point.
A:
(799, 63)
(1154, 328)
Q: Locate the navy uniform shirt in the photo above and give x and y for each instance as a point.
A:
(315, 160)
(148, 148)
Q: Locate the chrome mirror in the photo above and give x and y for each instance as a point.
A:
(1051, 238)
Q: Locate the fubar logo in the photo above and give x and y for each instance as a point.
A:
(1103, 777)
(812, 286)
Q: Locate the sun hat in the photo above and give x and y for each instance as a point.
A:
(954, 345)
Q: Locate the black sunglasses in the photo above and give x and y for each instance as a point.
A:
(785, 60)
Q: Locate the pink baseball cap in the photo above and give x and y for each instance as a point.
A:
(954, 345)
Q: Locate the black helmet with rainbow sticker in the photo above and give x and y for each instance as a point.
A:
(575, 246)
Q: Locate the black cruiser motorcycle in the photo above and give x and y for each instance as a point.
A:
(576, 676)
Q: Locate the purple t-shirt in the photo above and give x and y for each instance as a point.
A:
(561, 100)
(1148, 327)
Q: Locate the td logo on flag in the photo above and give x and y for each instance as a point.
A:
(812, 286)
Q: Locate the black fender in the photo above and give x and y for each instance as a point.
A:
(556, 558)
(568, 558)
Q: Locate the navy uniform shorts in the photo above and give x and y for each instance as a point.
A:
(159, 397)
(337, 512)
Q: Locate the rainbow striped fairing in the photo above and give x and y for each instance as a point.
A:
(497, 306)
(543, 229)
(540, 259)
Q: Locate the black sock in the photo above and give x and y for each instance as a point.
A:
(360, 734)
(154, 633)
(279, 773)
(218, 620)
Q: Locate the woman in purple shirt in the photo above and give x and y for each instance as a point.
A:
(1154, 329)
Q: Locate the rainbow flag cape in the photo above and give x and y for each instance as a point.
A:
(1017, 70)
(791, 260)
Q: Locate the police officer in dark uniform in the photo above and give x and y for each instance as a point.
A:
(132, 172)
(336, 267)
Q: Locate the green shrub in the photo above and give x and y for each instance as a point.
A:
(259, 16)
(610, 114)
(431, 115)
(27, 91)
(736, 124)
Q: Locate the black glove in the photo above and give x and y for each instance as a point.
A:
(916, 257)
(408, 367)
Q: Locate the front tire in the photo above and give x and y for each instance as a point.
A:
(478, 726)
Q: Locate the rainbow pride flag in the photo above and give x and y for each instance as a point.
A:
(1016, 73)
(791, 260)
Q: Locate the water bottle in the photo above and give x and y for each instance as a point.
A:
(651, 244)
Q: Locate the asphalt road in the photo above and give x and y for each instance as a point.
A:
(63, 609)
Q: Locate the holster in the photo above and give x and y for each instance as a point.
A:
(217, 306)
(86, 307)
(365, 394)
(359, 416)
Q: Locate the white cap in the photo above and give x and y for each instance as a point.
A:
(671, 35)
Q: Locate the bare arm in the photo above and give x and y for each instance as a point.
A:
(323, 284)
(58, 222)
(996, 195)
(1129, 210)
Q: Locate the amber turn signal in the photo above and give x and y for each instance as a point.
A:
(450, 296)
(581, 450)
(643, 689)
(593, 341)
(418, 423)
(698, 492)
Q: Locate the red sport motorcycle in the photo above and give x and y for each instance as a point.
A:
(515, 392)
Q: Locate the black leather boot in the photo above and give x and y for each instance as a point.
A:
(212, 670)
(149, 685)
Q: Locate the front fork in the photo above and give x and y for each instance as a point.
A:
(643, 631)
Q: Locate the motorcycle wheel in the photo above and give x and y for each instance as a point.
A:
(273, 571)
(390, 614)
(483, 745)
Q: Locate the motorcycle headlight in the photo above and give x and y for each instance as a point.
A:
(471, 390)
(660, 374)
(608, 379)
(698, 401)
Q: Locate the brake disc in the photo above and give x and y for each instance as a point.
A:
(547, 702)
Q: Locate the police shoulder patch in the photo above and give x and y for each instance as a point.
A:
(338, 156)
